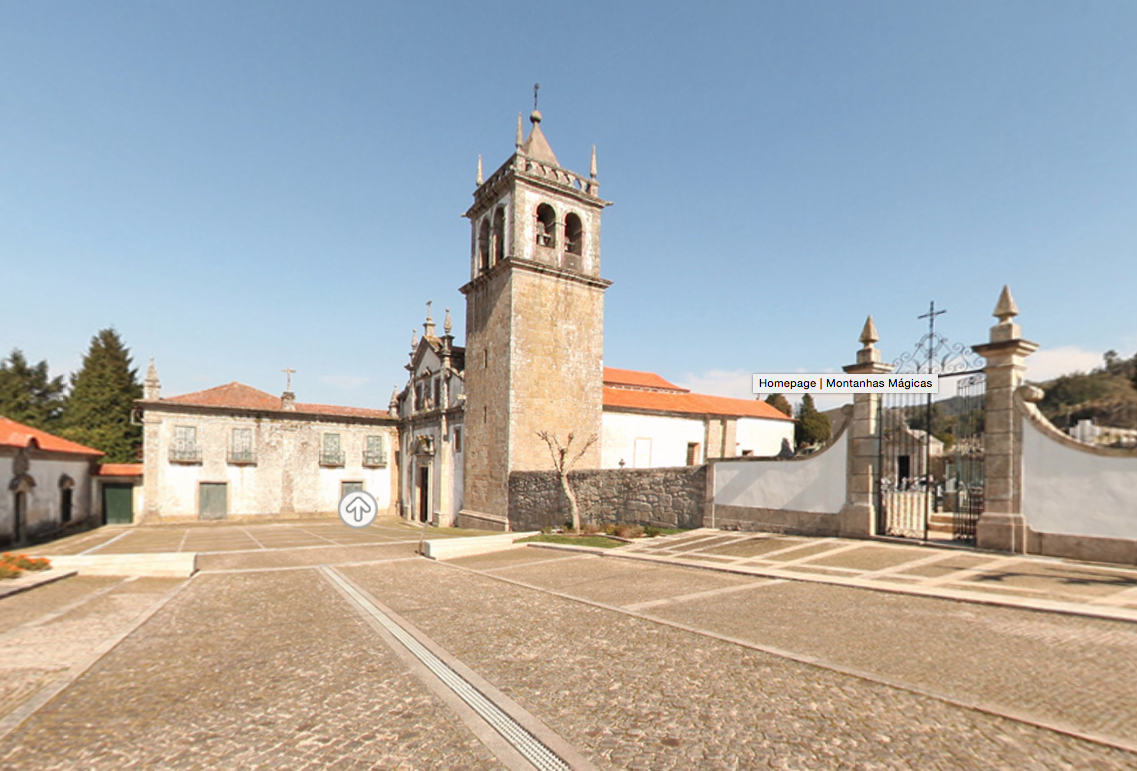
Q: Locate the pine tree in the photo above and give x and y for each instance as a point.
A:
(812, 427)
(780, 403)
(102, 399)
(28, 394)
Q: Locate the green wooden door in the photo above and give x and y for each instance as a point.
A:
(213, 500)
(118, 504)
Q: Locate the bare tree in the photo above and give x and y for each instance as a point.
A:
(563, 461)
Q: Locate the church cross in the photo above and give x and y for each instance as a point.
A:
(536, 87)
(288, 373)
(931, 317)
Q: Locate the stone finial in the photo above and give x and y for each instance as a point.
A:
(152, 386)
(592, 166)
(446, 325)
(869, 334)
(393, 405)
(428, 325)
(520, 135)
(414, 340)
(1005, 309)
(479, 179)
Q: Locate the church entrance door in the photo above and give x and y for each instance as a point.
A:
(423, 493)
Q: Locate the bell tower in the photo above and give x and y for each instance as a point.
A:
(534, 321)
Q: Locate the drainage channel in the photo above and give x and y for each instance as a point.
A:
(529, 746)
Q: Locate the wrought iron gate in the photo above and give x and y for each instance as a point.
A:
(930, 478)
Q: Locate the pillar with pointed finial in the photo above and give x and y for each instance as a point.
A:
(393, 404)
(858, 516)
(479, 180)
(428, 325)
(1002, 526)
(152, 387)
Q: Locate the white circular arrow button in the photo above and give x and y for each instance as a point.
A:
(358, 508)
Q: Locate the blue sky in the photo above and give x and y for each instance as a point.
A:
(239, 187)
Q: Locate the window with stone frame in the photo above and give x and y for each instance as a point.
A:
(332, 453)
(185, 448)
(375, 455)
(457, 440)
(241, 447)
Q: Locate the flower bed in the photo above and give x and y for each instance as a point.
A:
(14, 565)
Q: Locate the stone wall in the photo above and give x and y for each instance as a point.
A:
(664, 497)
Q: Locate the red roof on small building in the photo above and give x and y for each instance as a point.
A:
(120, 470)
(13, 434)
(240, 396)
(630, 378)
(694, 404)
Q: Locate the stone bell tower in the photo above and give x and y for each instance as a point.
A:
(534, 321)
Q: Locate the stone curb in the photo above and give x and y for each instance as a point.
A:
(161, 564)
(32, 580)
(451, 548)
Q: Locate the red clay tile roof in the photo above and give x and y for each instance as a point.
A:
(240, 396)
(632, 378)
(695, 404)
(120, 470)
(13, 434)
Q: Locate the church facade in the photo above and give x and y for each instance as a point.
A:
(467, 416)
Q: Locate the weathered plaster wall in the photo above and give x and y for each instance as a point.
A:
(287, 476)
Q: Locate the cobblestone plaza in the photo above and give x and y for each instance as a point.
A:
(702, 650)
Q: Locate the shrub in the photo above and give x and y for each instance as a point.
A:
(589, 528)
(652, 532)
(8, 570)
(610, 528)
(628, 531)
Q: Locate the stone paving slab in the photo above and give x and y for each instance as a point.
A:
(634, 694)
(1026, 581)
(40, 652)
(245, 672)
(1065, 670)
(20, 609)
(295, 558)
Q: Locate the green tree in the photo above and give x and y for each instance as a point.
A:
(102, 399)
(780, 403)
(28, 394)
(812, 427)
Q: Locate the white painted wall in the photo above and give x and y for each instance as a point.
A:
(761, 437)
(44, 500)
(813, 484)
(669, 437)
(1068, 491)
